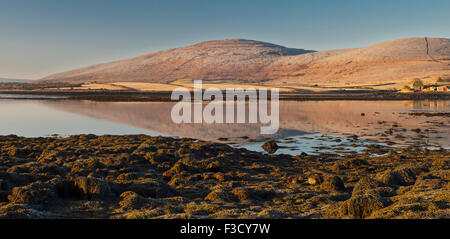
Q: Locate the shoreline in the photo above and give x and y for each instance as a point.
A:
(139, 176)
(165, 96)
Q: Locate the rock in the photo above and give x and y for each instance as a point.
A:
(220, 194)
(151, 188)
(315, 179)
(48, 156)
(19, 152)
(112, 178)
(4, 195)
(365, 184)
(178, 168)
(66, 189)
(361, 206)
(3, 185)
(10, 180)
(35, 193)
(131, 200)
(215, 166)
(333, 183)
(368, 186)
(271, 214)
(402, 176)
(168, 174)
(21, 211)
(93, 187)
(201, 208)
(244, 195)
(128, 176)
(270, 146)
(21, 168)
(349, 164)
(253, 195)
(220, 176)
(177, 180)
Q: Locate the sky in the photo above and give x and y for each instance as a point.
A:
(38, 38)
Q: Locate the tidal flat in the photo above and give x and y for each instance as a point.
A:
(140, 176)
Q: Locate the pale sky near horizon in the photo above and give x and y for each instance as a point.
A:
(38, 38)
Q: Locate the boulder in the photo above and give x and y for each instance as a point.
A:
(21, 211)
(402, 176)
(369, 186)
(150, 188)
(132, 201)
(10, 180)
(361, 206)
(271, 214)
(315, 179)
(270, 146)
(92, 187)
(66, 189)
(35, 193)
(221, 194)
(333, 183)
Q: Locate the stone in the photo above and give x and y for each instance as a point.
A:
(361, 206)
(66, 189)
(401, 176)
(131, 201)
(270, 146)
(333, 183)
(35, 193)
(315, 179)
(93, 187)
(369, 186)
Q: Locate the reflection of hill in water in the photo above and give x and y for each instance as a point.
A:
(327, 117)
(155, 116)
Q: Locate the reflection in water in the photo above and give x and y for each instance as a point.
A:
(31, 118)
(384, 121)
(428, 105)
(156, 116)
(15, 96)
(369, 119)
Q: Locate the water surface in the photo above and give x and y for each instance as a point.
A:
(302, 124)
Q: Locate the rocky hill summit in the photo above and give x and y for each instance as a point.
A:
(266, 63)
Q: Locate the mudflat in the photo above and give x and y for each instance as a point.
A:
(138, 176)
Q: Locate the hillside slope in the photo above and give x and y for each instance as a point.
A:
(225, 59)
(386, 61)
(254, 61)
(10, 80)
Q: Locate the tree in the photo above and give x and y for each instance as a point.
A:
(417, 84)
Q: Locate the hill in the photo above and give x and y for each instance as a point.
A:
(259, 62)
(9, 80)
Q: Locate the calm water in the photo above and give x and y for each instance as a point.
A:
(302, 124)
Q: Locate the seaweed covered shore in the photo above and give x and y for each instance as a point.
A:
(138, 176)
(165, 96)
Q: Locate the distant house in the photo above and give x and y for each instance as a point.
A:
(436, 88)
(442, 89)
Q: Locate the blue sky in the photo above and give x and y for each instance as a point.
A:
(38, 38)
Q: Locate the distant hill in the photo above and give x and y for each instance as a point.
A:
(7, 80)
(255, 61)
